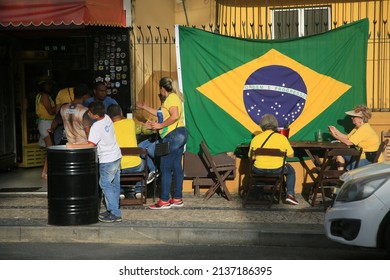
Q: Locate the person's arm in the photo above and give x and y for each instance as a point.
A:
(87, 123)
(289, 150)
(150, 110)
(58, 102)
(290, 155)
(173, 117)
(339, 136)
(82, 145)
(53, 126)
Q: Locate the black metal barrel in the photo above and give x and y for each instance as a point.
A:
(73, 197)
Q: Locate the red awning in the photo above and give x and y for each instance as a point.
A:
(62, 12)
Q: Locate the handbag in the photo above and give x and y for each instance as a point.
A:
(161, 149)
(370, 156)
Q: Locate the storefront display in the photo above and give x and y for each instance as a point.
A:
(111, 64)
(72, 42)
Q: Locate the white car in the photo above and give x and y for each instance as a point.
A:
(360, 214)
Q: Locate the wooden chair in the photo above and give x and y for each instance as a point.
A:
(381, 150)
(195, 169)
(386, 135)
(219, 172)
(329, 175)
(129, 180)
(270, 186)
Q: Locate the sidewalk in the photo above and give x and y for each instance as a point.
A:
(23, 204)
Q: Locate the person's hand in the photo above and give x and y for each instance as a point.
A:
(333, 130)
(140, 105)
(156, 126)
(148, 124)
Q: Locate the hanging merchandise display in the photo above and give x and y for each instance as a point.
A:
(111, 63)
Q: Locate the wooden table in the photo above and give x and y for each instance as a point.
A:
(315, 151)
(304, 150)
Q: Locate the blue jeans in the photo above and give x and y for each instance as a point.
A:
(151, 146)
(137, 168)
(109, 182)
(351, 165)
(288, 171)
(170, 164)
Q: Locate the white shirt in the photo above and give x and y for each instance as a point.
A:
(102, 134)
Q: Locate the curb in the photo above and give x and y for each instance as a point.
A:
(215, 222)
(276, 235)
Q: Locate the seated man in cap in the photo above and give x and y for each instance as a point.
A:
(362, 136)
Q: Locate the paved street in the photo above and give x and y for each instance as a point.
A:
(82, 251)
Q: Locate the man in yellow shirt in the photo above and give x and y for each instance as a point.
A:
(65, 95)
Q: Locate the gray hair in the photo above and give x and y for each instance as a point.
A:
(365, 111)
(268, 121)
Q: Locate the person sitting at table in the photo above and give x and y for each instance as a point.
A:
(100, 94)
(363, 136)
(269, 138)
(126, 137)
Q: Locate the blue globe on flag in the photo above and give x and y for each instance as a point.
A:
(276, 90)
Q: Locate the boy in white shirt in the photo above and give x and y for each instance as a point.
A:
(102, 135)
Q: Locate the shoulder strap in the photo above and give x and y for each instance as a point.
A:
(267, 139)
(70, 96)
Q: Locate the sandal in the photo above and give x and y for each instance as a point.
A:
(44, 175)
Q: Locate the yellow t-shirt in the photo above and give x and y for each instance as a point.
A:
(276, 141)
(40, 110)
(65, 95)
(126, 137)
(366, 138)
(172, 101)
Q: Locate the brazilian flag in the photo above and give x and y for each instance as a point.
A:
(229, 83)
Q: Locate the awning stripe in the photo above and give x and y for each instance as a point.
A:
(62, 12)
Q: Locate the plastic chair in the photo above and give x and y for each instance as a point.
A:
(270, 186)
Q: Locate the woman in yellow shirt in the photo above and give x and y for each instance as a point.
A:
(171, 130)
(45, 110)
(272, 165)
(362, 136)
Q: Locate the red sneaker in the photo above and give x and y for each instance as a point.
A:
(291, 199)
(160, 205)
(176, 202)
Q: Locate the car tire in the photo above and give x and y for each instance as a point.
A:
(387, 238)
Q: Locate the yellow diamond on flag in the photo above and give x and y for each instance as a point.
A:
(227, 90)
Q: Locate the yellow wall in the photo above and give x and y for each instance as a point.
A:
(166, 13)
